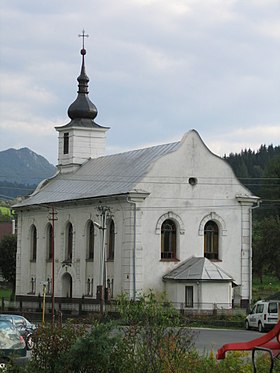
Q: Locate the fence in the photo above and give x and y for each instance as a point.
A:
(84, 306)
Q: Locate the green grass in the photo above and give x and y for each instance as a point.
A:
(269, 282)
(269, 286)
(5, 293)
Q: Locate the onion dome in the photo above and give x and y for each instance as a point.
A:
(82, 107)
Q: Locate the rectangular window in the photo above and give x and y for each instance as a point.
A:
(189, 296)
(66, 143)
(272, 308)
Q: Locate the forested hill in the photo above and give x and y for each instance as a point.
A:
(259, 171)
(20, 171)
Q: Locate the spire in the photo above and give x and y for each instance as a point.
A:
(82, 107)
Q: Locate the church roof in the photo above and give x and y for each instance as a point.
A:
(197, 269)
(110, 175)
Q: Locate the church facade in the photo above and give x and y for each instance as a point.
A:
(172, 218)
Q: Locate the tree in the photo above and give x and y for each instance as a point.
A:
(266, 246)
(8, 249)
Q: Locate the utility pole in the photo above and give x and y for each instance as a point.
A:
(105, 213)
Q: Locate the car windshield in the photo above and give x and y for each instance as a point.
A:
(9, 337)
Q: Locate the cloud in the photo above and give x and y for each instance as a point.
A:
(245, 138)
(157, 68)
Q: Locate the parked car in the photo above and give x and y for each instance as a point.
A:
(25, 327)
(263, 316)
(12, 345)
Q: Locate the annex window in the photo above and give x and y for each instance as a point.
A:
(33, 242)
(69, 242)
(90, 241)
(211, 240)
(111, 240)
(189, 296)
(168, 239)
(66, 143)
(49, 241)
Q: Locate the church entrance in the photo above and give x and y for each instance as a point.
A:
(66, 285)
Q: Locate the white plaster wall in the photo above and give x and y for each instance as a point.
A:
(172, 196)
(84, 143)
(205, 294)
(170, 191)
(80, 270)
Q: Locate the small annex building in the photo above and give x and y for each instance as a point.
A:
(171, 218)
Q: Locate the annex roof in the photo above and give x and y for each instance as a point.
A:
(197, 269)
(104, 176)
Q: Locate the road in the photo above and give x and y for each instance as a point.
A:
(207, 339)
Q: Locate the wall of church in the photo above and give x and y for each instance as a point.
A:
(190, 186)
(85, 274)
(205, 295)
(172, 196)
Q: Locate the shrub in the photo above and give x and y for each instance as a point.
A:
(51, 342)
(153, 339)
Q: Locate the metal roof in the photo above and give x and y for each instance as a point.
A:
(104, 176)
(196, 269)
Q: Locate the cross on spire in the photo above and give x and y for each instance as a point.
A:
(83, 35)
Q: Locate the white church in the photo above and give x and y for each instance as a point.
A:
(170, 218)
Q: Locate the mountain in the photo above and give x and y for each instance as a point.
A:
(21, 170)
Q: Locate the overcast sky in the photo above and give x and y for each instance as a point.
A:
(157, 69)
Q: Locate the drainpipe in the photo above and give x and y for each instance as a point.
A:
(134, 249)
(251, 250)
(250, 247)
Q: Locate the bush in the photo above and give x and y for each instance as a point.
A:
(93, 352)
(153, 339)
(51, 343)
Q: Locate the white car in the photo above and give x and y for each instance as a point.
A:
(263, 316)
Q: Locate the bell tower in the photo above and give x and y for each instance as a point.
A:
(81, 138)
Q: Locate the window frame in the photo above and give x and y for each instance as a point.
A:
(168, 240)
(66, 143)
(211, 240)
(33, 243)
(69, 242)
(90, 241)
(189, 297)
(111, 240)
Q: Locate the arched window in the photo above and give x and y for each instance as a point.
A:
(33, 241)
(111, 240)
(168, 239)
(90, 241)
(211, 240)
(49, 241)
(69, 242)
